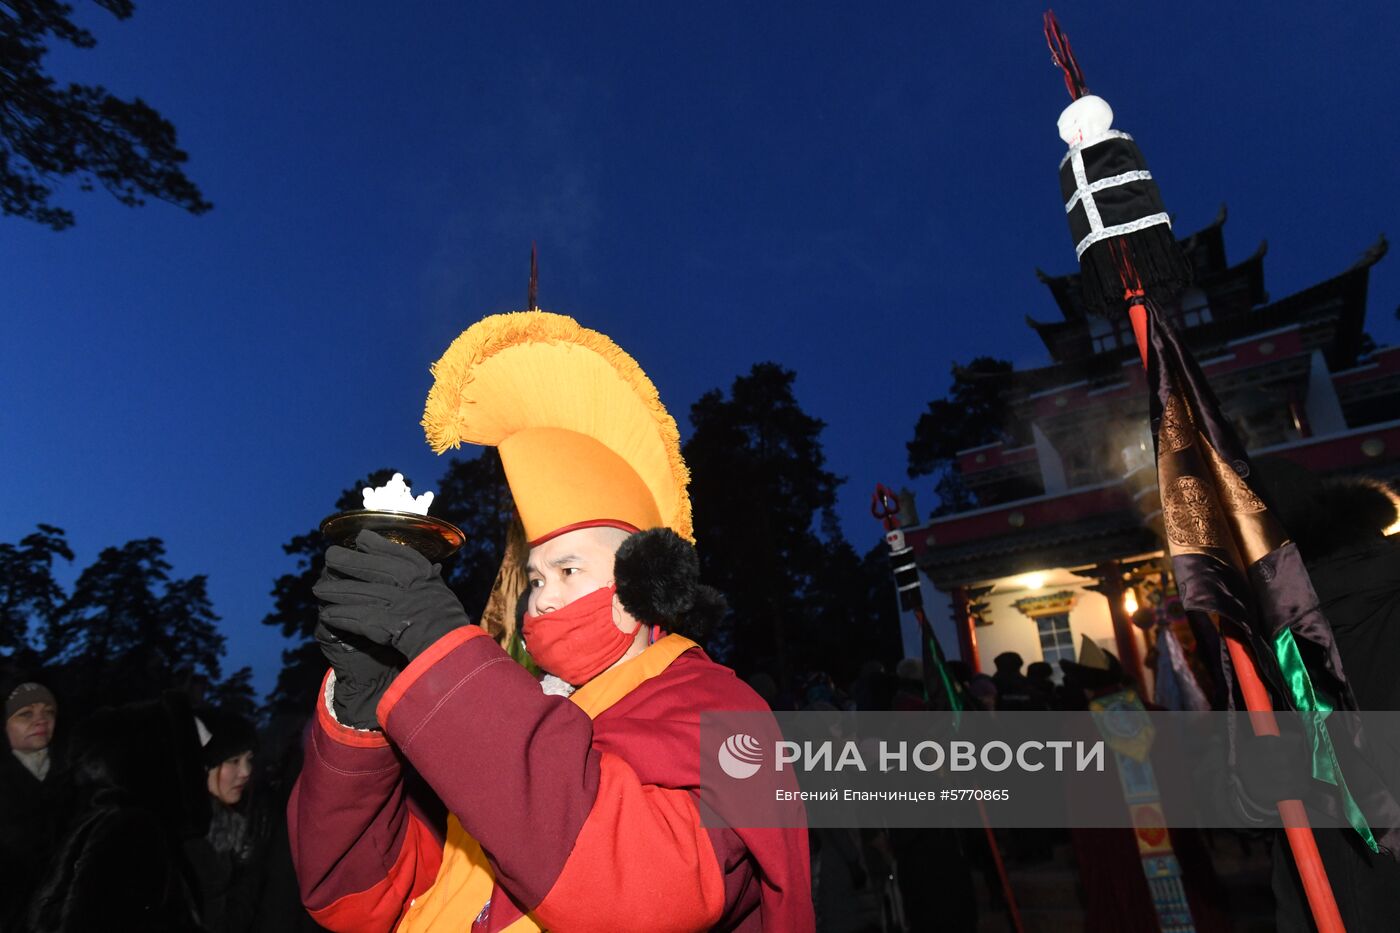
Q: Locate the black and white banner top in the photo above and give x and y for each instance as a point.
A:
(1108, 190)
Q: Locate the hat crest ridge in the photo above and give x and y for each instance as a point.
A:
(451, 416)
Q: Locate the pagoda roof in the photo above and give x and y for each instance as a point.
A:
(1228, 290)
(1236, 299)
(1205, 249)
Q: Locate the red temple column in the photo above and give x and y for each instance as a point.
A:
(967, 634)
(1110, 576)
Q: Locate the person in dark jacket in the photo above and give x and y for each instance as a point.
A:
(139, 787)
(1340, 527)
(229, 861)
(1015, 694)
(28, 798)
(1042, 679)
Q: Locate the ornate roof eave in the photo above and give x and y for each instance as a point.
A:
(1373, 254)
(1088, 541)
(1060, 289)
(1251, 268)
(1060, 285)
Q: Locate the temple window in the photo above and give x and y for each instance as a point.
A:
(1107, 334)
(1195, 308)
(1056, 639)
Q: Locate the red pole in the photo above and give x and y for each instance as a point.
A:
(1261, 717)
(1011, 907)
(1137, 314)
(1295, 819)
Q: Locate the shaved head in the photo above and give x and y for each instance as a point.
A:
(609, 537)
(572, 565)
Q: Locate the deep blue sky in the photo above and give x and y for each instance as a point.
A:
(861, 194)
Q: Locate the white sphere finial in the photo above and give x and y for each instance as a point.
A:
(1087, 118)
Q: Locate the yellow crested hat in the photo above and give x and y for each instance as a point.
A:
(582, 433)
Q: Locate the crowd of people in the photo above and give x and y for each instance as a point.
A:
(147, 816)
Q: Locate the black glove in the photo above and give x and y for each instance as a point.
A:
(363, 671)
(1275, 767)
(387, 593)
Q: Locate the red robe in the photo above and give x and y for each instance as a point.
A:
(583, 823)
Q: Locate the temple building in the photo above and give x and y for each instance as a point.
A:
(1062, 541)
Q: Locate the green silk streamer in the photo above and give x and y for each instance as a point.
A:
(942, 669)
(947, 683)
(1325, 766)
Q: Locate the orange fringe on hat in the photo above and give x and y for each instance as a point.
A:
(583, 435)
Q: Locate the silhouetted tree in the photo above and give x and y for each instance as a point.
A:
(29, 596)
(235, 694)
(473, 495)
(850, 613)
(764, 520)
(186, 643)
(52, 130)
(976, 412)
(114, 602)
(128, 630)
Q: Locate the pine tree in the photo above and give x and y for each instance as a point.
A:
(29, 596)
(129, 631)
(761, 494)
(473, 495)
(977, 411)
(51, 129)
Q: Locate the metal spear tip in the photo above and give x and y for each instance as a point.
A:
(532, 296)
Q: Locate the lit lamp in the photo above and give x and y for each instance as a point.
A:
(1130, 603)
(1031, 581)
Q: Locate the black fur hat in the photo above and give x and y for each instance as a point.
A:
(658, 581)
(1325, 515)
(230, 735)
(148, 754)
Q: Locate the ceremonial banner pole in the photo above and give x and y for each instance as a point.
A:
(1301, 841)
(884, 505)
(1126, 247)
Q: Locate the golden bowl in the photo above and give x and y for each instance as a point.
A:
(432, 537)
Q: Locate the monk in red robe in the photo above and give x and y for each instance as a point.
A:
(577, 813)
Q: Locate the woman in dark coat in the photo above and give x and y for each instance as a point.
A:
(30, 804)
(230, 860)
(139, 785)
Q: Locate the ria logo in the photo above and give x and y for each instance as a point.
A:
(740, 756)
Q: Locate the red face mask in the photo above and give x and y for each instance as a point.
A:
(579, 641)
